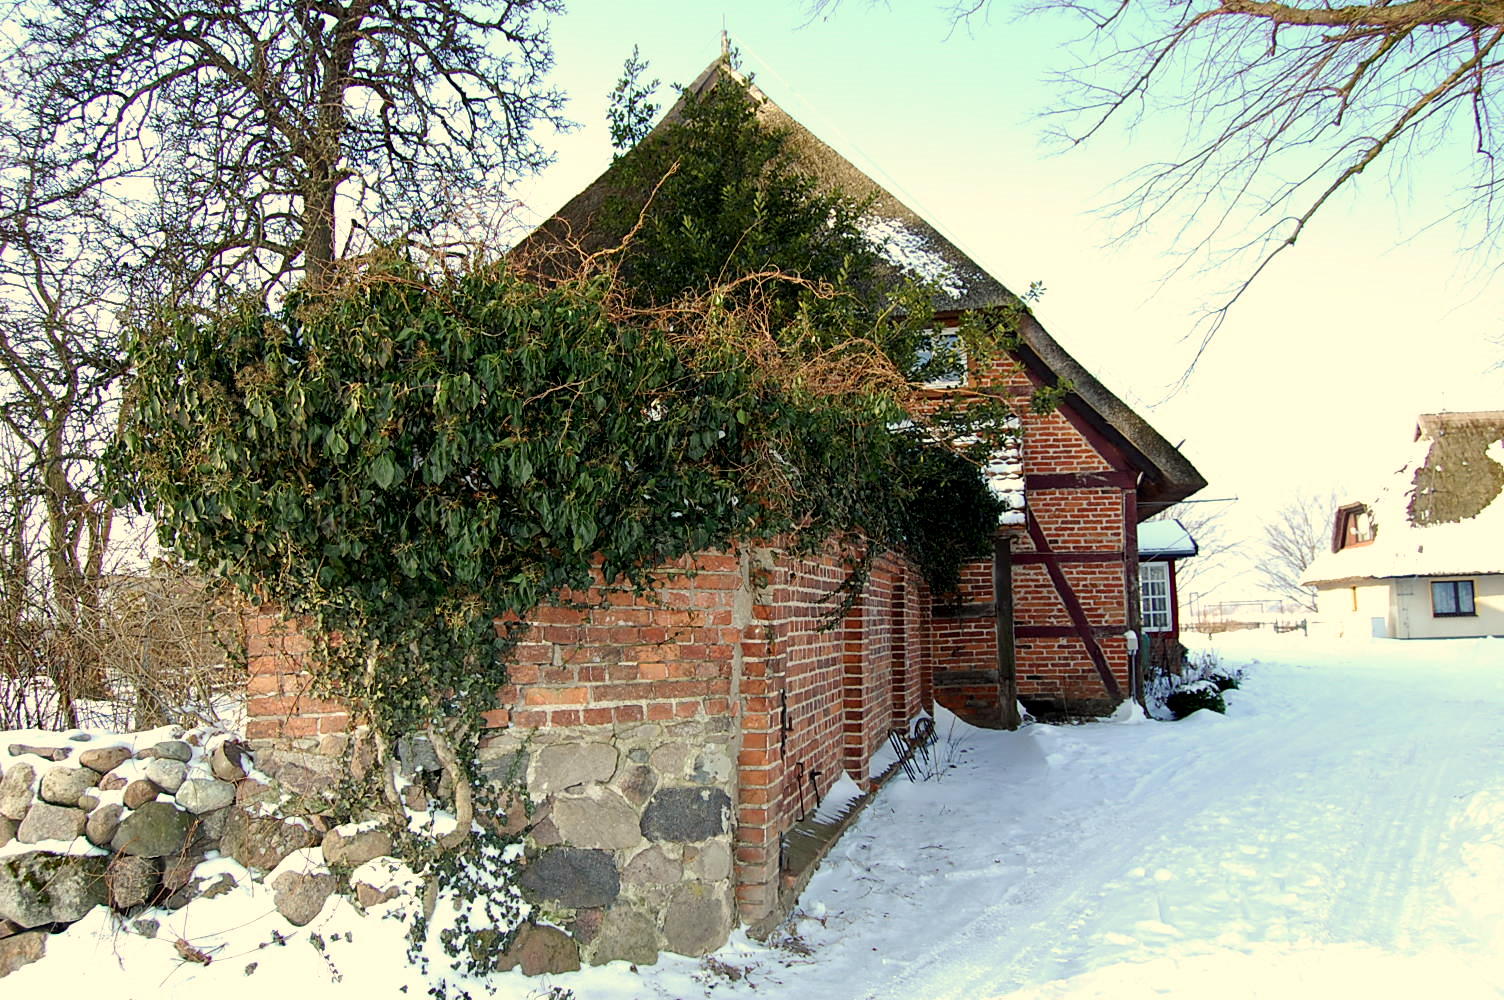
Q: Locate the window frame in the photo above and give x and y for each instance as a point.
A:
(1456, 590)
(1162, 570)
(1354, 527)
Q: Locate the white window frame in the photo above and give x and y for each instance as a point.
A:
(1154, 618)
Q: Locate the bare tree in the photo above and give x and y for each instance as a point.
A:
(149, 149)
(60, 288)
(1204, 522)
(1285, 104)
(1294, 536)
(256, 119)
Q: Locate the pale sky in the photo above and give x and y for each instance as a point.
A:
(1315, 380)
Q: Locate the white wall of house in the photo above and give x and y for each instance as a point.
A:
(1402, 608)
(1356, 610)
(1416, 618)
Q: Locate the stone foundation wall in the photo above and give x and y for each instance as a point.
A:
(134, 821)
(631, 830)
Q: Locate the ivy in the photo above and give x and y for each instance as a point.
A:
(717, 194)
(417, 453)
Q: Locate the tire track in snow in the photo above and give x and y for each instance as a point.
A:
(1342, 855)
(1023, 932)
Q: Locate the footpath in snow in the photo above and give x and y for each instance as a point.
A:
(1340, 833)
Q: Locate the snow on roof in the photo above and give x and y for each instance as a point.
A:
(908, 251)
(1166, 539)
(1408, 539)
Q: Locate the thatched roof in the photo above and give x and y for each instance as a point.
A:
(1441, 514)
(1457, 480)
(915, 248)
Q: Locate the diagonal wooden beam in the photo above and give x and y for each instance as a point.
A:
(1072, 606)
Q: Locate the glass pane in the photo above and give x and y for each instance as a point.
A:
(941, 360)
(1465, 597)
(1443, 598)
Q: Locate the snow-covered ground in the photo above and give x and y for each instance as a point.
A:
(1340, 833)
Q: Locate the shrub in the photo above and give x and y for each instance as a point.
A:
(1224, 681)
(1202, 694)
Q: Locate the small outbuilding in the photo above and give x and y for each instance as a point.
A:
(1161, 546)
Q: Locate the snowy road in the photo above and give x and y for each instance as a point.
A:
(1340, 832)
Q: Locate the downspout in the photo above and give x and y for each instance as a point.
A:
(1134, 635)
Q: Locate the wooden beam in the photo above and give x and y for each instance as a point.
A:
(1073, 608)
(1007, 660)
(1065, 631)
(1031, 558)
(961, 611)
(964, 678)
(1115, 479)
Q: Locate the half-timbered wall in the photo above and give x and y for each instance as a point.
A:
(1074, 581)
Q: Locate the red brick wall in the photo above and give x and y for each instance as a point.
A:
(1055, 672)
(911, 676)
(622, 658)
(872, 628)
(279, 702)
(745, 637)
(817, 699)
(618, 657)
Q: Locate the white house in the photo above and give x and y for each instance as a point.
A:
(1425, 558)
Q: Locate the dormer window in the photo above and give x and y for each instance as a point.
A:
(1354, 527)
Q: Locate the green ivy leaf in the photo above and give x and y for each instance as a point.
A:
(384, 471)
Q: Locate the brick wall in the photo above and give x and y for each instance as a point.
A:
(280, 704)
(818, 698)
(1087, 529)
(618, 658)
(740, 644)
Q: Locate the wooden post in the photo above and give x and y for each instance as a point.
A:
(1002, 602)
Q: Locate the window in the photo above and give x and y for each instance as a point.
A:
(1154, 596)
(1452, 598)
(1354, 527)
(940, 362)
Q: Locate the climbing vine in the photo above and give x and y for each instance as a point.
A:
(419, 452)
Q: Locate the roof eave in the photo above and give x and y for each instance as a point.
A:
(1166, 476)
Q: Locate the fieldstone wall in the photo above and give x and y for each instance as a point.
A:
(630, 842)
(127, 821)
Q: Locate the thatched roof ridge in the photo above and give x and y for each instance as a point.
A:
(915, 247)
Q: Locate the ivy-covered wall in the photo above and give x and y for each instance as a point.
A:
(666, 741)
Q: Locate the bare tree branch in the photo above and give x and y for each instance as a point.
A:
(1293, 536)
(1287, 106)
(249, 118)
